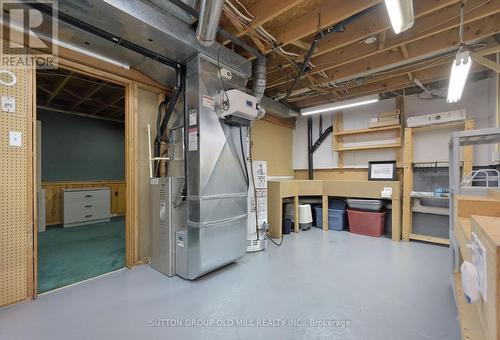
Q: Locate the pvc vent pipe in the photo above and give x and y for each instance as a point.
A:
(208, 21)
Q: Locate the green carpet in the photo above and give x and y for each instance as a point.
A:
(69, 255)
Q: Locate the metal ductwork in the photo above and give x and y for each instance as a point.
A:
(259, 74)
(208, 21)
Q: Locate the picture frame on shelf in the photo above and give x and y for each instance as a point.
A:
(382, 171)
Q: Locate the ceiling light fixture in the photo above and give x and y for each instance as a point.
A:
(340, 105)
(460, 67)
(400, 14)
(458, 77)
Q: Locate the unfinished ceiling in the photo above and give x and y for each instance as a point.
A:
(68, 92)
(366, 57)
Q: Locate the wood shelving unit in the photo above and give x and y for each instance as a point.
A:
(369, 147)
(339, 134)
(408, 233)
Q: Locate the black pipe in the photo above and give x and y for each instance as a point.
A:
(321, 139)
(340, 27)
(309, 147)
(320, 123)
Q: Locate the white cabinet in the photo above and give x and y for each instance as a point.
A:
(86, 206)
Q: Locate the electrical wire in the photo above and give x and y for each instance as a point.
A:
(273, 241)
(253, 182)
(244, 166)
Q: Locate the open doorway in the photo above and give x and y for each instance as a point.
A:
(81, 190)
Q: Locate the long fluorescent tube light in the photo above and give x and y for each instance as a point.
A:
(340, 105)
(400, 14)
(458, 77)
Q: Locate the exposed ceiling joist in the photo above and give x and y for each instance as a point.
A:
(58, 89)
(486, 62)
(435, 23)
(265, 11)
(111, 104)
(418, 49)
(375, 22)
(325, 16)
(87, 96)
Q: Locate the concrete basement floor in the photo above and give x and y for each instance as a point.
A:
(385, 290)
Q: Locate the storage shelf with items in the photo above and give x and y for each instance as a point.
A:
(412, 200)
(386, 122)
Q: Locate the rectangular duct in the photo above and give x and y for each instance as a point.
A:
(217, 186)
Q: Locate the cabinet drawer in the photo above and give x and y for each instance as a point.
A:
(86, 195)
(86, 211)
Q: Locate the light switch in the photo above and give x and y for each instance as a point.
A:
(15, 138)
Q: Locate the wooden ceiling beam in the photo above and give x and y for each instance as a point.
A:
(265, 11)
(375, 22)
(331, 13)
(435, 23)
(110, 104)
(396, 83)
(418, 49)
(58, 89)
(87, 96)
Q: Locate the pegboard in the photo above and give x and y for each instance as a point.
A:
(14, 167)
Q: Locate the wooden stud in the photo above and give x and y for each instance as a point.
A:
(325, 212)
(468, 151)
(407, 184)
(296, 217)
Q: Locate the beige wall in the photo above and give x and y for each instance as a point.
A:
(273, 143)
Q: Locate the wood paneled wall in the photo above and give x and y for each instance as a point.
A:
(53, 197)
(273, 142)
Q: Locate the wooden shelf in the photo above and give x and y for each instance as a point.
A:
(365, 131)
(431, 239)
(369, 147)
(470, 323)
(439, 126)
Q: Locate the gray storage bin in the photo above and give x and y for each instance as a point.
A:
(337, 219)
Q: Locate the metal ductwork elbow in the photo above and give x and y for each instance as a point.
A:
(259, 78)
(208, 21)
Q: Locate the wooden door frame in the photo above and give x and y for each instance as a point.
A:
(131, 81)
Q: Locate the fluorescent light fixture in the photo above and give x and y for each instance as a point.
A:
(458, 77)
(400, 14)
(340, 105)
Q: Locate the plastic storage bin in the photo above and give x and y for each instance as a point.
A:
(364, 204)
(287, 226)
(367, 223)
(336, 218)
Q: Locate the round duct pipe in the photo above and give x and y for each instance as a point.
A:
(208, 21)
(259, 74)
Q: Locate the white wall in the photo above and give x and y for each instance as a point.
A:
(478, 101)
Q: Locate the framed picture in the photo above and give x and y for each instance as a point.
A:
(382, 171)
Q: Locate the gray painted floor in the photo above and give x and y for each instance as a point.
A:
(385, 290)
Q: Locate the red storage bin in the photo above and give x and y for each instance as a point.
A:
(366, 222)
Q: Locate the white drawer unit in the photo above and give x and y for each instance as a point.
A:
(86, 206)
